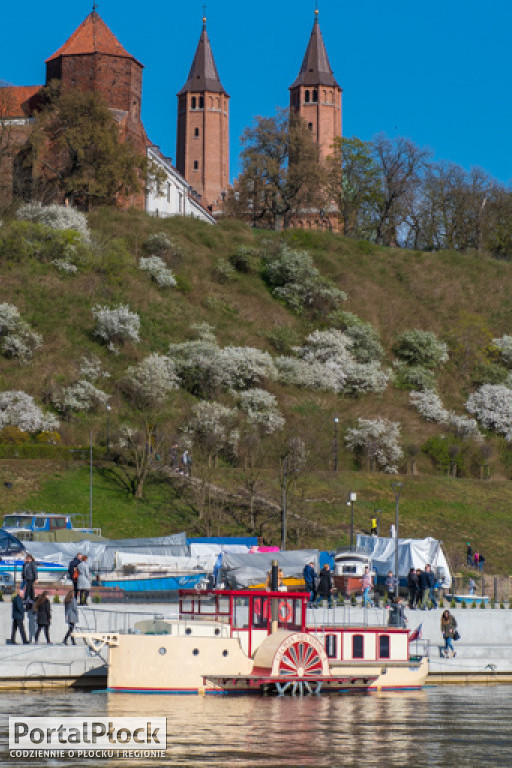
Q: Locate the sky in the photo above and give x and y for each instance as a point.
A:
(437, 72)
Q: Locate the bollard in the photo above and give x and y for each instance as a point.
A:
(495, 589)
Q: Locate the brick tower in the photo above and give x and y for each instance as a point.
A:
(202, 146)
(315, 95)
(94, 60)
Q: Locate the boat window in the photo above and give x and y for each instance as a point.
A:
(57, 522)
(331, 646)
(357, 647)
(10, 521)
(384, 651)
(260, 610)
(39, 522)
(241, 612)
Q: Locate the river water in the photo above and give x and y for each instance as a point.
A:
(459, 727)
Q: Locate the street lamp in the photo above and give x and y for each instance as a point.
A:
(350, 503)
(108, 429)
(397, 489)
(90, 480)
(336, 443)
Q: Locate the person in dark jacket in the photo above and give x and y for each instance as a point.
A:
(421, 588)
(18, 615)
(310, 582)
(412, 586)
(325, 586)
(73, 571)
(71, 615)
(29, 575)
(44, 616)
(397, 614)
(427, 585)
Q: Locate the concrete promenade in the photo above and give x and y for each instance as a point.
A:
(484, 653)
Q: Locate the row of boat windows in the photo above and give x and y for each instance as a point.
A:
(331, 646)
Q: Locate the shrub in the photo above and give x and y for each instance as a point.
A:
(260, 408)
(378, 440)
(56, 599)
(429, 405)
(245, 367)
(65, 266)
(421, 348)
(489, 373)
(365, 341)
(17, 340)
(212, 427)
(13, 435)
(244, 259)
(415, 377)
(151, 381)
(116, 325)
(81, 396)
(90, 368)
(96, 599)
(19, 410)
(157, 244)
(224, 271)
(492, 406)
(48, 438)
(504, 345)
(158, 270)
(293, 278)
(282, 338)
(56, 217)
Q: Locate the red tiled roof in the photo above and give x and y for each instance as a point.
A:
(18, 101)
(92, 36)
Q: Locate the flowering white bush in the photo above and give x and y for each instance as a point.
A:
(158, 270)
(377, 439)
(151, 381)
(17, 339)
(492, 406)
(116, 325)
(310, 375)
(294, 278)
(504, 344)
(245, 367)
(213, 428)
(56, 217)
(17, 409)
(260, 408)
(157, 243)
(65, 266)
(421, 348)
(81, 396)
(90, 369)
(365, 341)
(430, 406)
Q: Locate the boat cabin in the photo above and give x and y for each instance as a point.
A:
(349, 570)
(24, 525)
(252, 616)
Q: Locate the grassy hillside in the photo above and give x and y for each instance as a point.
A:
(464, 298)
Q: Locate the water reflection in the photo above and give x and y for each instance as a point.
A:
(457, 726)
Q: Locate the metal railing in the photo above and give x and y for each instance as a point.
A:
(104, 620)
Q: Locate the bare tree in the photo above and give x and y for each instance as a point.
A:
(139, 448)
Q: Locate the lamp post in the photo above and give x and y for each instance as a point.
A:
(90, 480)
(108, 430)
(397, 489)
(336, 443)
(350, 503)
(377, 513)
(284, 503)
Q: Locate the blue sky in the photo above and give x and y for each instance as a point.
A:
(437, 72)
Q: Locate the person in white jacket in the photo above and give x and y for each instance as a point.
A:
(84, 580)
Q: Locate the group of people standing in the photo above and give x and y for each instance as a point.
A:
(319, 586)
(182, 464)
(474, 559)
(421, 586)
(38, 609)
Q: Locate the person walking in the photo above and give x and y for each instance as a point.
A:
(18, 616)
(32, 620)
(71, 615)
(391, 582)
(481, 561)
(29, 576)
(469, 555)
(366, 584)
(397, 614)
(476, 559)
(43, 612)
(310, 582)
(448, 628)
(84, 580)
(430, 584)
(373, 526)
(421, 588)
(325, 586)
(73, 571)
(412, 587)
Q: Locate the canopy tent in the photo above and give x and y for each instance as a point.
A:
(412, 553)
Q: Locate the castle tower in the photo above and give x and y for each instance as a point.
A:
(202, 146)
(92, 59)
(315, 95)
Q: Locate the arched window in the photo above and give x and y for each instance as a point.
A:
(196, 131)
(331, 646)
(310, 126)
(306, 97)
(196, 165)
(201, 102)
(357, 647)
(384, 646)
(193, 103)
(325, 95)
(315, 95)
(217, 103)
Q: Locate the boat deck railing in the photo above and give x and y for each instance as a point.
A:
(105, 620)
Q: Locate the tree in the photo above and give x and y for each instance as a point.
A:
(75, 152)
(353, 184)
(138, 448)
(281, 173)
(6, 140)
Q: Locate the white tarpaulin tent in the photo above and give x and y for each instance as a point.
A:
(241, 571)
(412, 553)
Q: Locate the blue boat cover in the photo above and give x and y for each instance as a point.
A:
(9, 544)
(247, 541)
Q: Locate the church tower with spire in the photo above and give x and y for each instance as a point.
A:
(202, 147)
(316, 96)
